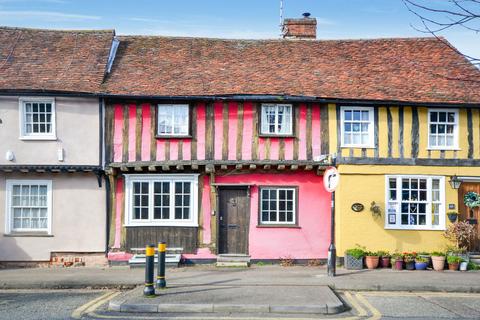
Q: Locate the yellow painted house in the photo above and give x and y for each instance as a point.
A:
(403, 158)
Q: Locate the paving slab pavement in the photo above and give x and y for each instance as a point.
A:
(360, 280)
(232, 299)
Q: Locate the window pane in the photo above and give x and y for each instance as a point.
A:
(356, 115)
(442, 116)
(365, 115)
(348, 115)
(433, 116)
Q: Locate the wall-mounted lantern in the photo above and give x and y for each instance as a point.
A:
(454, 182)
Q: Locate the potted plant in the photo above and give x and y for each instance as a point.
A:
(397, 261)
(371, 259)
(427, 256)
(452, 216)
(460, 234)
(384, 259)
(454, 262)
(354, 258)
(438, 261)
(421, 263)
(409, 258)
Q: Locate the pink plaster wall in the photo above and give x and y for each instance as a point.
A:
(310, 240)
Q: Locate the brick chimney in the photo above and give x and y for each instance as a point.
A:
(303, 28)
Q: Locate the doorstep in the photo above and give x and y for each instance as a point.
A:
(231, 299)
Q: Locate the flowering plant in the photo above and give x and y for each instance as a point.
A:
(409, 256)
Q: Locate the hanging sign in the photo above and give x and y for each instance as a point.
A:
(331, 178)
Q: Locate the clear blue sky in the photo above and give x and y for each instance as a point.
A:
(337, 19)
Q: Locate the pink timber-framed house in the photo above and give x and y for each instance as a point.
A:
(209, 149)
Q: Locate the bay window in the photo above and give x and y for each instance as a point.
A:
(163, 200)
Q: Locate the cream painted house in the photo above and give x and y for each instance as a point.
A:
(52, 191)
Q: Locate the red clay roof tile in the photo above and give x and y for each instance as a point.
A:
(403, 69)
(52, 60)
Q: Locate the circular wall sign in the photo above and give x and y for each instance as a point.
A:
(331, 178)
(357, 207)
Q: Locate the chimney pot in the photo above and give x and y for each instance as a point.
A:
(302, 28)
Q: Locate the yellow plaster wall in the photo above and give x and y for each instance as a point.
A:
(366, 183)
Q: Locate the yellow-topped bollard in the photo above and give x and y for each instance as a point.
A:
(161, 282)
(149, 289)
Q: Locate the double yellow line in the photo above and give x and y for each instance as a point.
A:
(93, 305)
(360, 305)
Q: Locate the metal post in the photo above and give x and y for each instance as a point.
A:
(161, 282)
(332, 251)
(149, 289)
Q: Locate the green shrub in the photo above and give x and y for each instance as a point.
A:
(473, 266)
(357, 253)
(454, 259)
(438, 254)
(384, 254)
(421, 259)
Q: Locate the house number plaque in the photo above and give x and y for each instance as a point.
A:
(357, 207)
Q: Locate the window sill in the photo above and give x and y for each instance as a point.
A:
(28, 234)
(262, 135)
(443, 149)
(185, 225)
(38, 138)
(290, 226)
(173, 137)
(357, 147)
(415, 229)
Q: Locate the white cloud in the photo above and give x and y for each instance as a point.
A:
(46, 15)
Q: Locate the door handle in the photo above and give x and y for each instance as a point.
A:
(232, 226)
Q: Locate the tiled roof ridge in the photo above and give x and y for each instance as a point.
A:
(426, 38)
(59, 30)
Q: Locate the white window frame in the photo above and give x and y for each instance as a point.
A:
(8, 209)
(21, 116)
(428, 225)
(150, 178)
(264, 120)
(371, 126)
(455, 130)
(294, 222)
(173, 106)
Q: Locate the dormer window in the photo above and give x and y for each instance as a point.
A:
(37, 119)
(173, 120)
(276, 120)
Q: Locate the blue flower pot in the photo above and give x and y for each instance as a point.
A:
(421, 265)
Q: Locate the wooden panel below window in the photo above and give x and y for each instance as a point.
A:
(178, 237)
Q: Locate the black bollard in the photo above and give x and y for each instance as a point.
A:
(149, 290)
(161, 282)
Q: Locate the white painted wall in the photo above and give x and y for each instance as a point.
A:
(78, 218)
(77, 128)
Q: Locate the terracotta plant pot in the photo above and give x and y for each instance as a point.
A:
(410, 265)
(438, 263)
(398, 265)
(453, 266)
(372, 261)
(385, 262)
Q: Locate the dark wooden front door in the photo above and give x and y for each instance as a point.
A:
(465, 213)
(233, 219)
